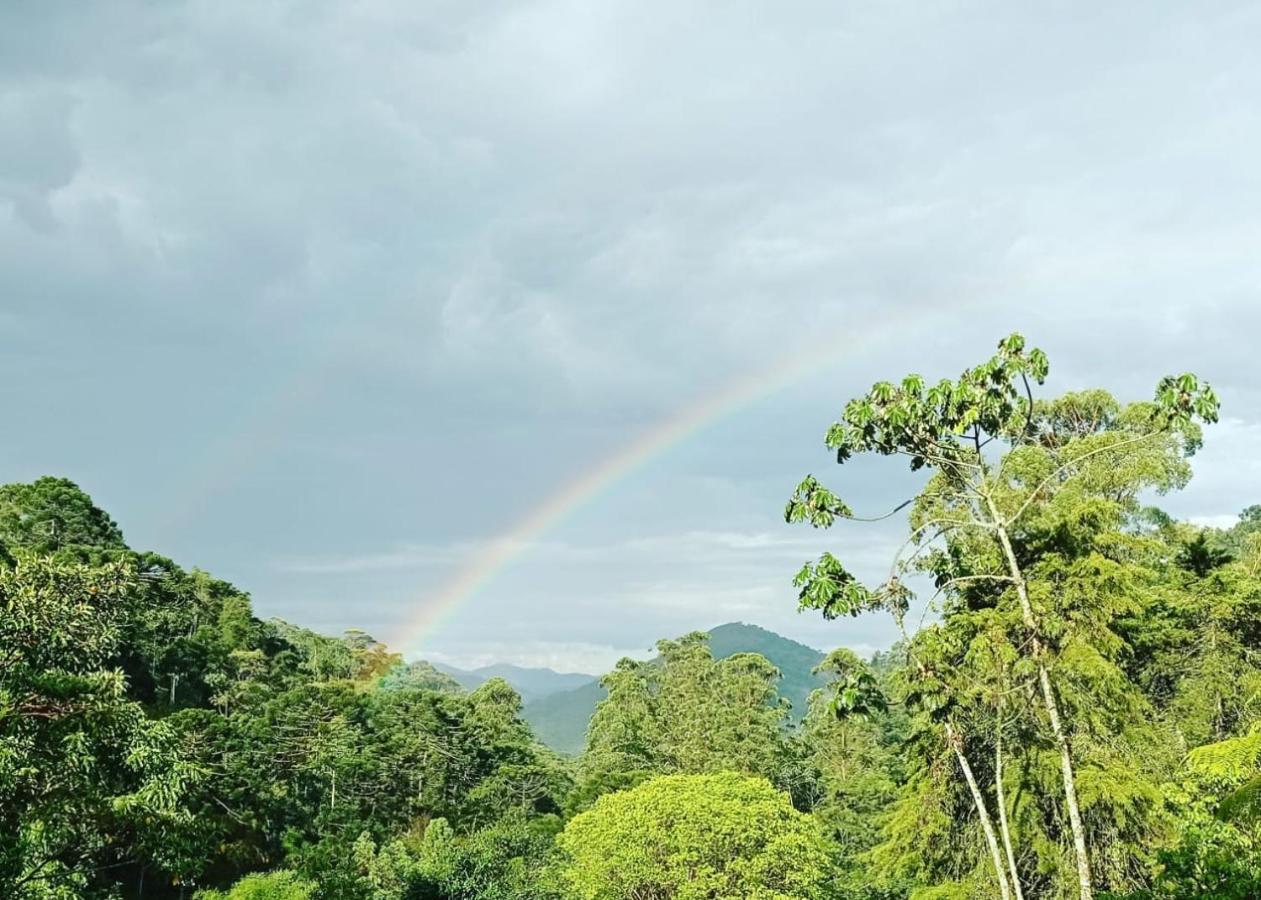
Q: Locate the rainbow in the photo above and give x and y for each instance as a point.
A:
(487, 563)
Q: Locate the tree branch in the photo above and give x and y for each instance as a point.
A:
(1061, 468)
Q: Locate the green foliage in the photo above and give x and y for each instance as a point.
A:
(509, 860)
(560, 720)
(79, 762)
(156, 737)
(1200, 557)
(685, 712)
(695, 836)
(50, 514)
(1028, 528)
(853, 748)
(855, 693)
(417, 676)
(270, 886)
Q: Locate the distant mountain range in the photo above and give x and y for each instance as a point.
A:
(558, 706)
(531, 684)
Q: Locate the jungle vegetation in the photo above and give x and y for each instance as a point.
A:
(1077, 715)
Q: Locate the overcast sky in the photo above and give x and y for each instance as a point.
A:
(324, 296)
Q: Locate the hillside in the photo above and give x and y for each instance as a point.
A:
(560, 720)
(795, 661)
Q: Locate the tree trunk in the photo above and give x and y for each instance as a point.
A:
(1085, 886)
(978, 799)
(987, 825)
(1002, 812)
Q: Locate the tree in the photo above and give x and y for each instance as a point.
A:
(508, 860)
(80, 764)
(1201, 557)
(418, 675)
(270, 886)
(685, 712)
(851, 735)
(983, 525)
(51, 513)
(688, 837)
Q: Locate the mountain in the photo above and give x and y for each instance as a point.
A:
(531, 684)
(560, 719)
(795, 661)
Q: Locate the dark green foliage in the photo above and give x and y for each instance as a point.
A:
(1200, 557)
(81, 765)
(51, 514)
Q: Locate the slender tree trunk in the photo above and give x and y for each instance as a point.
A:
(987, 825)
(1002, 812)
(978, 799)
(1085, 887)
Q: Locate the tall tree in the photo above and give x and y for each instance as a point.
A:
(723, 836)
(988, 519)
(81, 766)
(851, 737)
(685, 712)
(53, 513)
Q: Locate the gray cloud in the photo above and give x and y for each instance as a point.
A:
(328, 282)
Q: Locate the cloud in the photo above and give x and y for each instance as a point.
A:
(728, 550)
(37, 152)
(562, 656)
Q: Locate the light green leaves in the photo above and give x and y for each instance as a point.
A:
(814, 503)
(947, 423)
(826, 585)
(1232, 758)
(1180, 399)
(696, 837)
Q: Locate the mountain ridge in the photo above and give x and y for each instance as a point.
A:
(532, 683)
(560, 720)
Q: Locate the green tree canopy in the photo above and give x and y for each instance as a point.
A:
(1023, 528)
(695, 837)
(80, 763)
(280, 885)
(51, 513)
(686, 712)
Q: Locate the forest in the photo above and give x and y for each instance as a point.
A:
(1073, 709)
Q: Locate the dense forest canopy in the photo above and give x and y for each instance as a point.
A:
(1080, 716)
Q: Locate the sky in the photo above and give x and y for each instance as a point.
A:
(328, 298)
